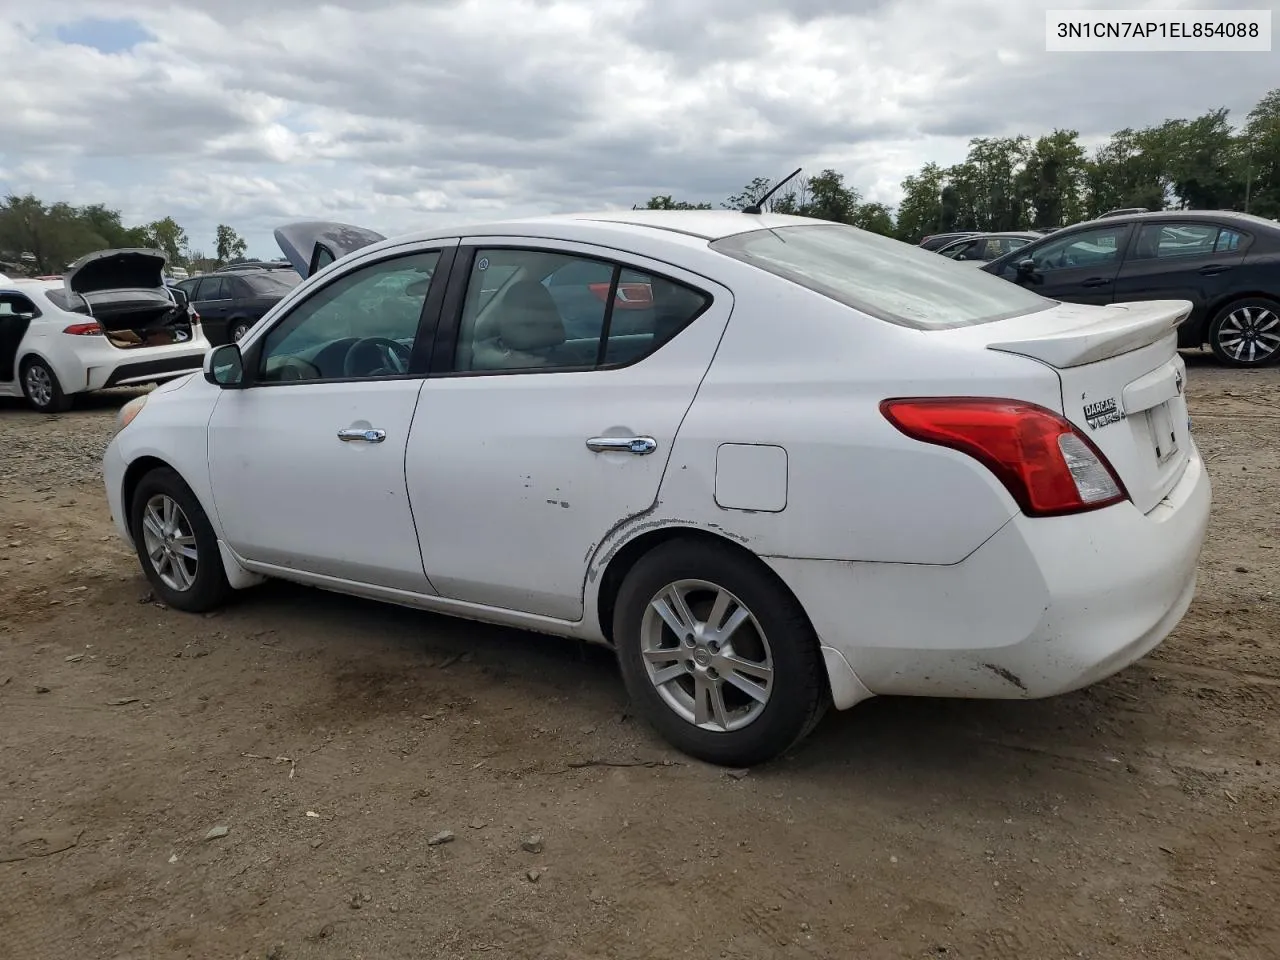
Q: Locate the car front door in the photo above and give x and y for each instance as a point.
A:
(533, 441)
(307, 460)
(1079, 267)
(1173, 260)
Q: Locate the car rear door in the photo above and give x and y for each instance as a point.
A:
(529, 446)
(1181, 260)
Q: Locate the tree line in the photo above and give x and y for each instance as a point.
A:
(1017, 183)
(43, 238)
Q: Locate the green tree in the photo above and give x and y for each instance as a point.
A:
(1052, 181)
(876, 218)
(1259, 156)
(830, 198)
(169, 238)
(920, 211)
(228, 244)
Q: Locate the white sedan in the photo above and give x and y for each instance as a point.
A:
(110, 322)
(776, 463)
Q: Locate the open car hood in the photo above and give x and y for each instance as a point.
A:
(311, 245)
(126, 269)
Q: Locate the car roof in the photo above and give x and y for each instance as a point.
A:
(1188, 216)
(704, 225)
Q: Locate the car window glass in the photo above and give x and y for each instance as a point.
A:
(211, 288)
(1085, 249)
(361, 325)
(1166, 241)
(1009, 244)
(960, 251)
(536, 310)
(15, 305)
(1228, 241)
(880, 276)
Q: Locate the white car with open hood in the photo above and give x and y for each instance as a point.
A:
(776, 463)
(109, 322)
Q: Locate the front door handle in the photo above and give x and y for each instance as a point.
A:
(367, 435)
(1095, 282)
(638, 445)
(1213, 269)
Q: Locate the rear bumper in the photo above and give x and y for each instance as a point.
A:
(1044, 607)
(153, 371)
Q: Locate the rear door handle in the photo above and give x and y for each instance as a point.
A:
(637, 445)
(1095, 282)
(366, 435)
(1213, 269)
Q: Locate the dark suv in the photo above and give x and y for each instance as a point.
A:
(230, 303)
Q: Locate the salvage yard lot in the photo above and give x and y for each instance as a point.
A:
(1137, 818)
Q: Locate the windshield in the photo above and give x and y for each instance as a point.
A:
(275, 284)
(885, 278)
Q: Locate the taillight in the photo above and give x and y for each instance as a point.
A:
(195, 317)
(83, 330)
(1048, 466)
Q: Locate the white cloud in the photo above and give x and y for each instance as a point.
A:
(405, 114)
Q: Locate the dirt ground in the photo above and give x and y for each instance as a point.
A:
(334, 738)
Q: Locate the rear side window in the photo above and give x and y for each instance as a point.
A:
(212, 288)
(70, 302)
(885, 278)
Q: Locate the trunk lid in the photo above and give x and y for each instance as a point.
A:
(1122, 383)
(311, 245)
(125, 269)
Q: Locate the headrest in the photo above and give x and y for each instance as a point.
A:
(529, 318)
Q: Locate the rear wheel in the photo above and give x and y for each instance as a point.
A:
(717, 654)
(238, 329)
(41, 388)
(1246, 333)
(176, 544)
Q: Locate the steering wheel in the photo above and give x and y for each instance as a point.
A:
(375, 356)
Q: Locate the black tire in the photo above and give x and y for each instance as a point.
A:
(799, 693)
(207, 588)
(41, 387)
(1246, 333)
(236, 330)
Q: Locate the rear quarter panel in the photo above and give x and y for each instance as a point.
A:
(800, 371)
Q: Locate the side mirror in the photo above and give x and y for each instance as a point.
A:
(224, 367)
(1026, 267)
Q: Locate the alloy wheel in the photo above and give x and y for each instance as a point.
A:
(39, 384)
(1250, 334)
(706, 655)
(170, 541)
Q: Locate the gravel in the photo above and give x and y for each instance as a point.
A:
(41, 451)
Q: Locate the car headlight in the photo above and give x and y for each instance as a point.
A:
(129, 411)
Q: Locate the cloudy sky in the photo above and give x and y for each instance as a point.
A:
(398, 115)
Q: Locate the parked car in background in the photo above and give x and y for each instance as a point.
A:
(109, 322)
(934, 241)
(242, 265)
(1226, 264)
(920, 486)
(985, 247)
(230, 303)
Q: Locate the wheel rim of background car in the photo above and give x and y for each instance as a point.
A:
(1255, 330)
(39, 385)
(171, 542)
(238, 332)
(706, 655)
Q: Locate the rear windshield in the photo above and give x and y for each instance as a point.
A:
(885, 278)
(275, 284)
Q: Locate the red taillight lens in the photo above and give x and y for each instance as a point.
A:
(1045, 463)
(195, 317)
(83, 330)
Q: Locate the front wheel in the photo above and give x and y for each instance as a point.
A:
(41, 388)
(717, 655)
(176, 544)
(1246, 333)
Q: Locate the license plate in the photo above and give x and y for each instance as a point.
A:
(1162, 433)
